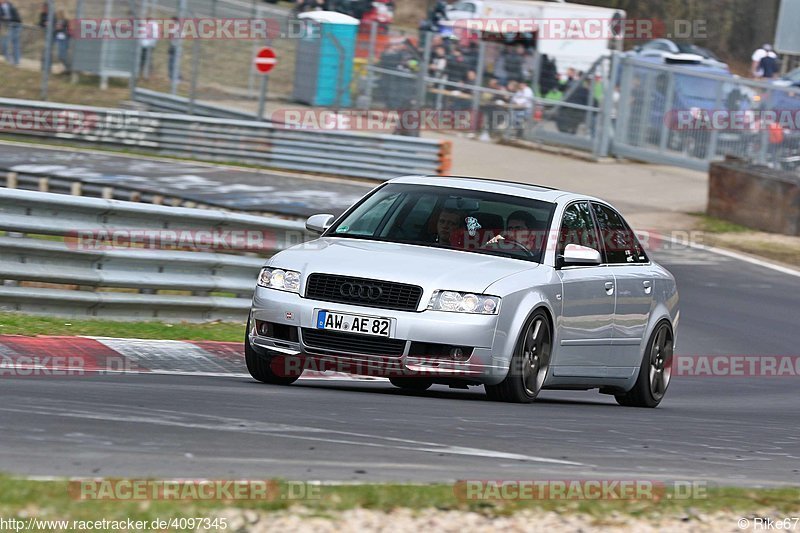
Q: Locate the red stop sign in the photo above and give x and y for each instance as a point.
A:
(265, 60)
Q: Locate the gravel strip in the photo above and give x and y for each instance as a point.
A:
(412, 521)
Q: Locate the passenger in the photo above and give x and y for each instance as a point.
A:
(521, 228)
(447, 226)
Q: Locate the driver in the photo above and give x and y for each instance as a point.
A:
(520, 228)
(447, 225)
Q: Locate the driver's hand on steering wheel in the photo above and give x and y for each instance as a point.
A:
(496, 239)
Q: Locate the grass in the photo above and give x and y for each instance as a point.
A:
(717, 225)
(53, 499)
(21, 324)
(724, 234)
(22, 83)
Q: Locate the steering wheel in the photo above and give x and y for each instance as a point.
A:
(517, 244)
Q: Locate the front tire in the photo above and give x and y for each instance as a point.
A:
(655, 372)
(529, 364)
(270, 369)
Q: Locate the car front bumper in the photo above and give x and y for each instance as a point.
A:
(477, 332)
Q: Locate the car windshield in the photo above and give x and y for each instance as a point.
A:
(793, 76)
(697, 50)
(456, 219)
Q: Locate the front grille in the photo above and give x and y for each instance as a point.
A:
(333, 342)
(329, 288)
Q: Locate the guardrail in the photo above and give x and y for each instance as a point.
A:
(170, 103)
(377, 157)
(76, 185)
(65, 255)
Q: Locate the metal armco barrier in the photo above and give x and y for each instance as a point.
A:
(169, 103)
(100, 254)
(377, 157)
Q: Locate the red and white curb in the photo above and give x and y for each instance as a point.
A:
(62, 356)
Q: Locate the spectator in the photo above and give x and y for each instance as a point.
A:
(471, 55)
(765, 62)
(437, 15)
(548, 78)
(522, 100)
(571, 77)
(10, 27)
(44, 11)
(514, 63)
(172, 56)
(147, 44)
(61, 35)
(438, 63)
(457, 66)
(493, 109)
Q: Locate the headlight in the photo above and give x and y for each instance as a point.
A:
(276, 278)
(464, 302)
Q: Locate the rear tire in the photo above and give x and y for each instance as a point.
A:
(655, 372)
(530, 363)
(271, 369)
(415, 384)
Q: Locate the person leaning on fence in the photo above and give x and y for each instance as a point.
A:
(10, 28)
(493, 109)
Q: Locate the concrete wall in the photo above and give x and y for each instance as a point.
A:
(755, 196)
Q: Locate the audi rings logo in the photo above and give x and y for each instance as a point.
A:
(361, 291)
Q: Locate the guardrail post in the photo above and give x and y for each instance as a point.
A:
(44, 184)
(606, 130)
(445, 157)
(107, 193)
(373, 39)
(75, 189)
(11, 180)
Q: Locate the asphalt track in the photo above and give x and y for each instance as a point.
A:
(720, 430)
(282, 193)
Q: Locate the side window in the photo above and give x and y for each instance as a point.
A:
(577, 227)
(620, 245)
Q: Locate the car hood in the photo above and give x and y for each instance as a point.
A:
(430, 268)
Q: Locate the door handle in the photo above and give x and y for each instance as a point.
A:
(610, 287)
(648, 286)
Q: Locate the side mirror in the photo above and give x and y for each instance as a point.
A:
(576, 255)
(319, 223)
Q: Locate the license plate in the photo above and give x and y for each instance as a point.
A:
(363, 325)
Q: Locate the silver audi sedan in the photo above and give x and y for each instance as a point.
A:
(468, 282)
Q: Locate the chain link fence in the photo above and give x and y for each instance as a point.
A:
(617, 104)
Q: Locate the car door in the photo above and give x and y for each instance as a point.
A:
(635, 279)
(587, 299)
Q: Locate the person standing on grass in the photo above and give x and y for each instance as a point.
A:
(61, 36)
(10, 28)
(147, 44)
